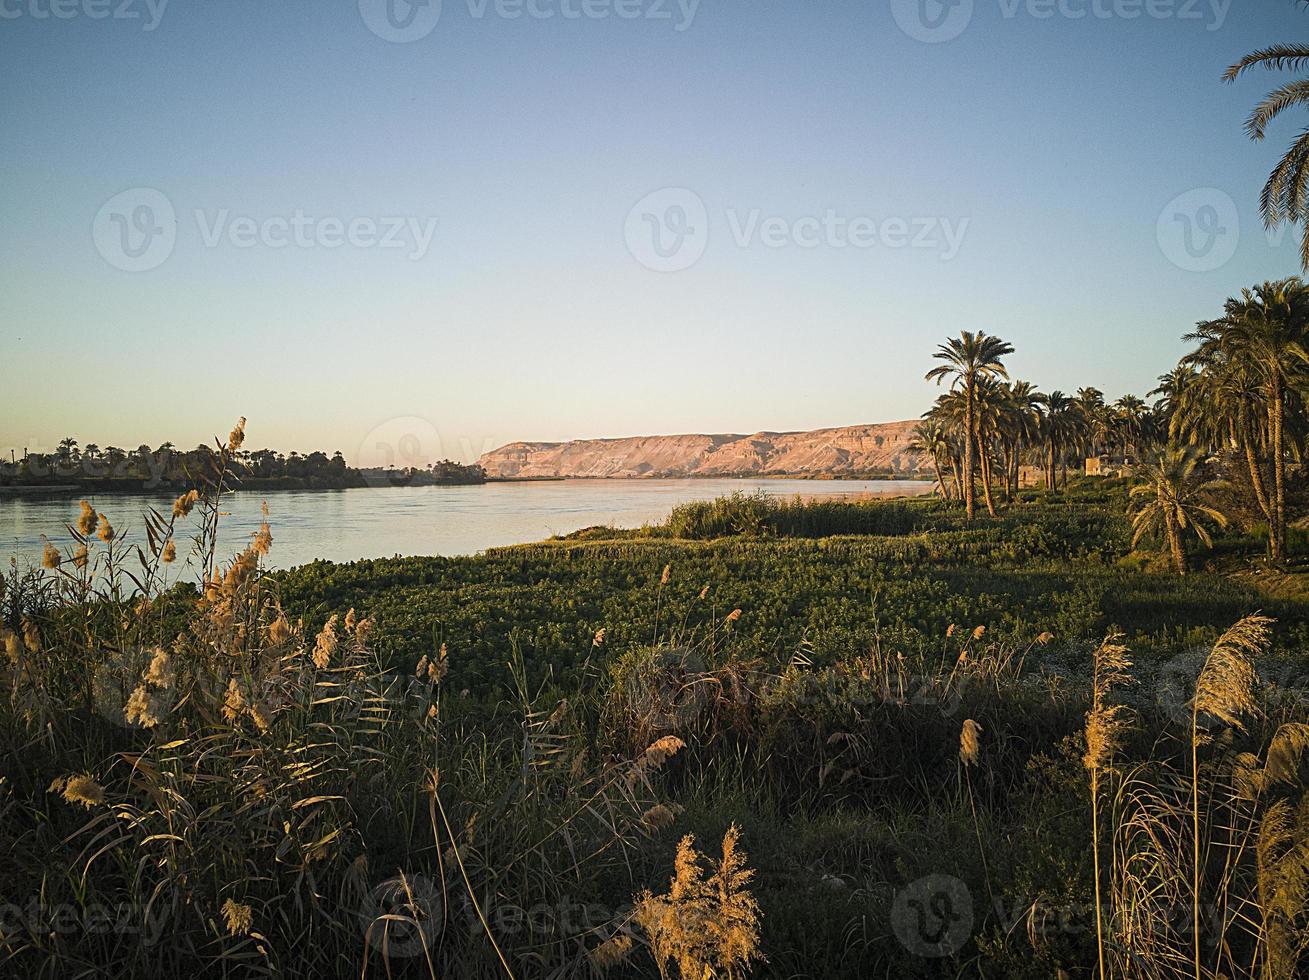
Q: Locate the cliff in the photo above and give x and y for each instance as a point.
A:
(846, 451)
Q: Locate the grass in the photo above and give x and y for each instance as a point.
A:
(483, 766)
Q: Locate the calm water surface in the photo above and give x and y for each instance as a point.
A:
(345, 525)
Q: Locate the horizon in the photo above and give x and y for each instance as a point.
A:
(858, 204)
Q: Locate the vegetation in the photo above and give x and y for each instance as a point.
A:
(95, 470)
(480, 766)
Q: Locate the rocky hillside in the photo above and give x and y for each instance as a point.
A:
(849, 450)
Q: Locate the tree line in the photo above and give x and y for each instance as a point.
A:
(167, 467)
(1225, 435)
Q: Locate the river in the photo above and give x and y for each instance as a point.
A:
(345, 525)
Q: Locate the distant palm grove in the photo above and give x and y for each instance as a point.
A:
(93, 468)
(1224, 437)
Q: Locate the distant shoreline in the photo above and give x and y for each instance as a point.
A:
(815, 477)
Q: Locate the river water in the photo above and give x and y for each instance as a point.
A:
(345, 525)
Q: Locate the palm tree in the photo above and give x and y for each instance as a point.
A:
(1131, 417)
(1283, 197)
(1170, 391)
(930, 438)
(1173, 498)
(1092, 418)
(988, 414)
(1222, 406)
(968, 358)
(1265, 332)
(1019, 426)
(1056, 423)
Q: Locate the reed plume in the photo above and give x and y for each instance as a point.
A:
(1105, 726)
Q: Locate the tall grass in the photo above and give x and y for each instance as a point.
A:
(271, 783)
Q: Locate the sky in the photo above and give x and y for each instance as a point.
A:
(413, 232)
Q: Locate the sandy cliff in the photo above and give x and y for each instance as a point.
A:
(851, 449)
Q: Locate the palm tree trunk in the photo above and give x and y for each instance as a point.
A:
(940, 478)
(969, 504)
(1279, 468)
(1257, 479)
(1175, 544)
(986, 476)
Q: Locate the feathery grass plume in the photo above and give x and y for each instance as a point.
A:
(437, 669)
(325, 644)
(263, 540)
(970, 742)
(1104, 728)
(160, 672)
(1044, 638)
(279, 631)
(363, 629)
(239, 918)
(169, 554)
(1282, 857)
(140, 708)
(234, 704)
(79, 788)
(31, 636)
(949, 630)
(49, 554)
(733, 616)
(611, 952)
(1104, 722)
(737, 923)
(183, 505)
(350, 620)
(1224, 691)
(1225, 687)
(663, 579)
(13, 644)
(86, 520)
(237, 436)
(657, 818)
(81, 557)
(105, 532)
(653, 758)
(660, 752)
(1285, 752)
(599, 638)
(978, 631)
(261, 713)
(707, 927)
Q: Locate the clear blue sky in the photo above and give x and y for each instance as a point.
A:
(1058, 141)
